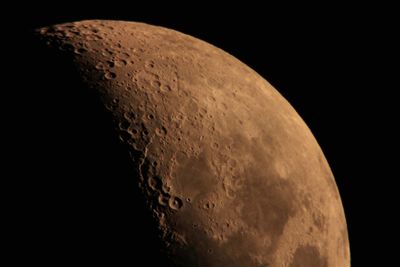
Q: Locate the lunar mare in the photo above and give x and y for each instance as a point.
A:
(231, 173)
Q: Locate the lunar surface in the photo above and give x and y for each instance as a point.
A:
(229, 172)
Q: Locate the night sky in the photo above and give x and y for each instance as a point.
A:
(323, 60)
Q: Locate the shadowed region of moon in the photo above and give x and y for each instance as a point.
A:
(225, 169)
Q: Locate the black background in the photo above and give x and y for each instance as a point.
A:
(326, 61)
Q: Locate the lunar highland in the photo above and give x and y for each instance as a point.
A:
(229, 172)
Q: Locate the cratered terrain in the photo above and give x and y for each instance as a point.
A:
(228, 171)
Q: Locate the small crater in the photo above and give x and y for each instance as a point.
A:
(124, 136)
(163, 200)
(150, 116)
(153, 183)
(230, 193)
(130, 116)
(80, 51)
(120, 62)
(156, 83)
(161, 131)
(134, 131)
(125, 55)
(109, 51)
(165, 88)
(145, 132)
(165, 188)
(110, 63)
(210, 251)
(110, 107)
(149, 64)
(99, 66)
(110, 75)
(175, 203)
(67, 47)
(232, 162)
(124, 125)
(209, 205)
(43, 30)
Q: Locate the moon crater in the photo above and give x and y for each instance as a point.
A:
(228, 169)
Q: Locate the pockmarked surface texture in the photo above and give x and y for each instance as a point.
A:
(229, 171)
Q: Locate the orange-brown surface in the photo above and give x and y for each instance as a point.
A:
(229, 171)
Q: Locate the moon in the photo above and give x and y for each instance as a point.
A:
(230, 173)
